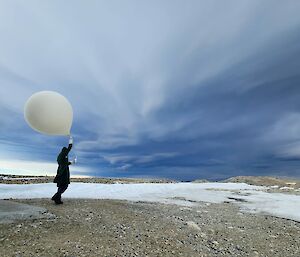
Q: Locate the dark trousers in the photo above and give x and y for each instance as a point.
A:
(61, 189)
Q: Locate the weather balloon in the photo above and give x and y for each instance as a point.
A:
(49, 112)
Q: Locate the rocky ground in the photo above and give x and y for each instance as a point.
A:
(120, 228)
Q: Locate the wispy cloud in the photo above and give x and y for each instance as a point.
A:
(173, 89)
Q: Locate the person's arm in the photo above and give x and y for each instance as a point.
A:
(70, 144)
(69, 148)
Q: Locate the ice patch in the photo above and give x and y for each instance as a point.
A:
(250, 198)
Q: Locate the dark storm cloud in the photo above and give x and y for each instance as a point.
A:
(159, 89)
(229, 122)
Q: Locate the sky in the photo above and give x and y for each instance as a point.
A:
(172, 89)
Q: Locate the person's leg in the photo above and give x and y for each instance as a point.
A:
(60, 191)
(56, 195)
(63, 189)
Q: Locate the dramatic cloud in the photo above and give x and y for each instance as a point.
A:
(159, 89)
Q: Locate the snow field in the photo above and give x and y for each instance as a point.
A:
(249, 198)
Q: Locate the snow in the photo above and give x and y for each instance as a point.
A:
(276, 204)
(286, 188)
(254, 198)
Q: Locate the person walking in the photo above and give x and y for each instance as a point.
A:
(62, 178)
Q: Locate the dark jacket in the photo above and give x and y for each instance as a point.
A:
(63, 174)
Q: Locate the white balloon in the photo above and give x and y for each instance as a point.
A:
(49, 112)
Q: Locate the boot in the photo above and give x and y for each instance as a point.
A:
(58, 202)
(54, 197)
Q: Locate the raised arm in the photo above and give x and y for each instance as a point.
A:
(70, 145)
(69, 148)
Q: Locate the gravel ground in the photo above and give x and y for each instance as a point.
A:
(120, 228)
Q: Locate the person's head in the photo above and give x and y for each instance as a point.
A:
(64, 150)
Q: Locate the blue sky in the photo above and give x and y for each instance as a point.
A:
(176, 89)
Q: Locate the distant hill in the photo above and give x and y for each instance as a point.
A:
(265, 181)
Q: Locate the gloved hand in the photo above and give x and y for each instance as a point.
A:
(70, 140)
